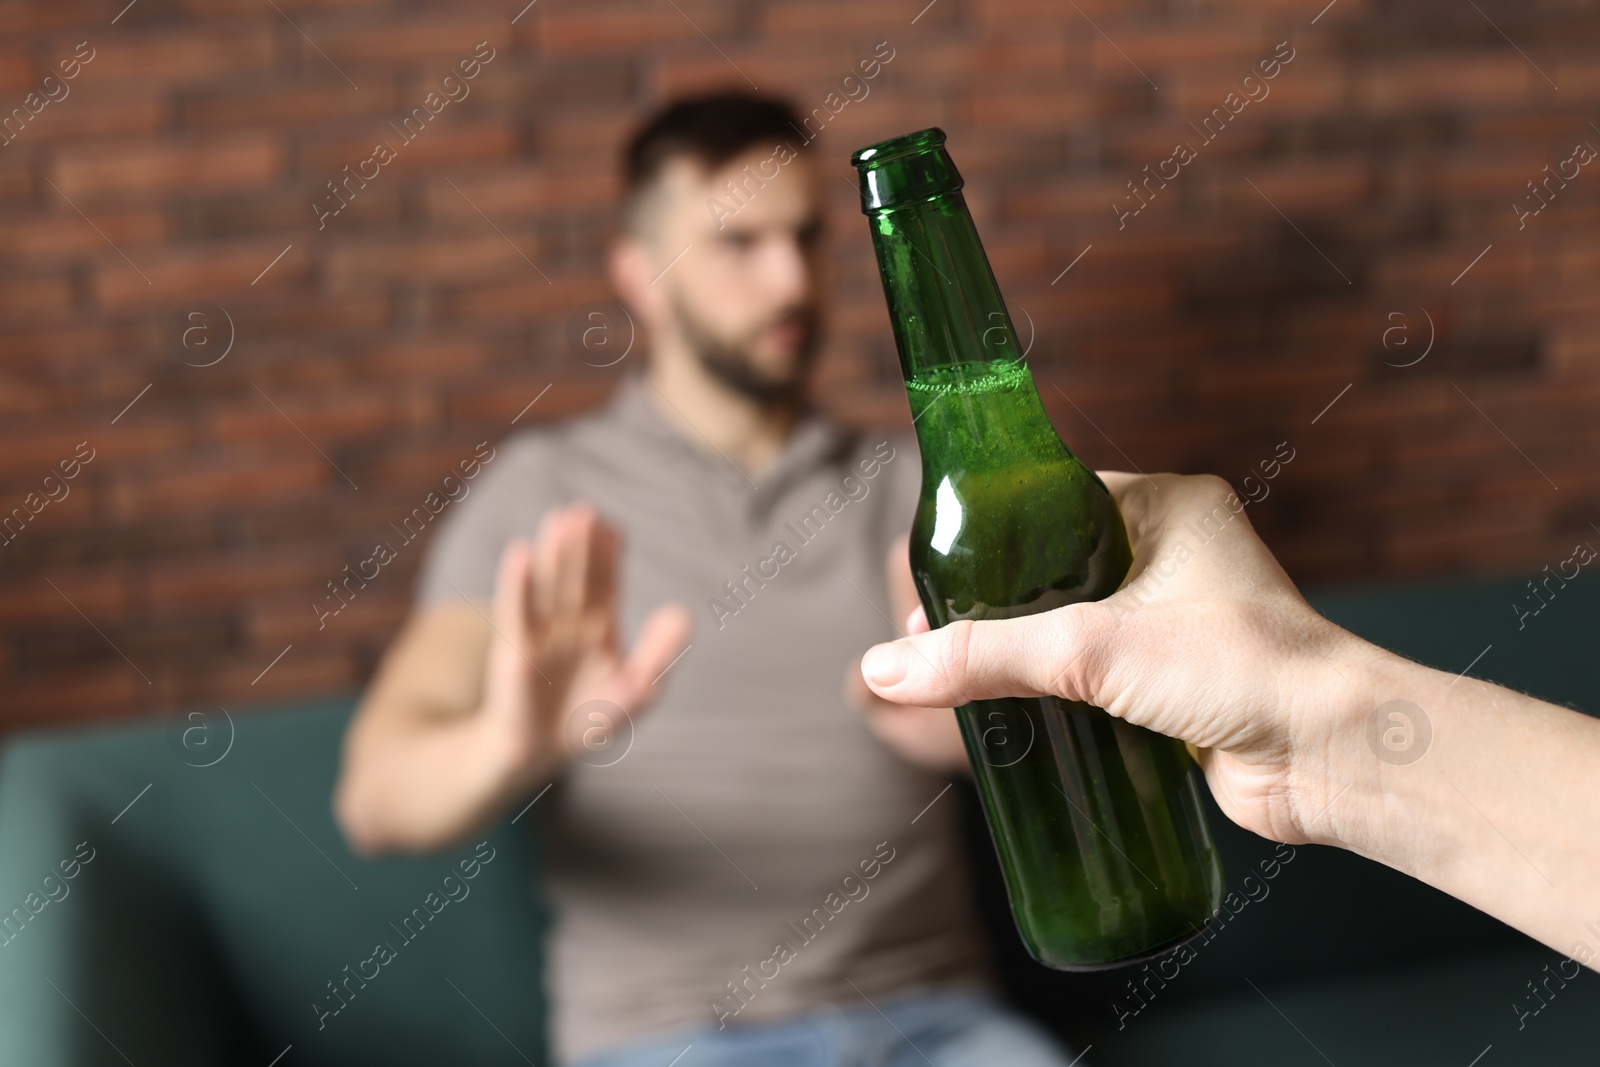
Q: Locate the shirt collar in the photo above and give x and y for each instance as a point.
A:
(812, 441)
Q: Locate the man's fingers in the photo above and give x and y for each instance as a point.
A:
(511, 592)
(917, 621)
(662, 639)
(510, 650)
(601, 595)
(1061, 652)
(542, 604)
(573, 545)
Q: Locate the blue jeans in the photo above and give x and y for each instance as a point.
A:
(945, 1029)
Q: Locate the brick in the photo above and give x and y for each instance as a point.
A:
(269, 102)
(329, 419)
(308, 670)
(1453, 267)
(1155, 45)
(178, 57)
(433, 41)
(594, 133)
(1141, 143)
(225, 216)
(1025, 54)
(1073, 197)
(1330, 16)
(1320, 187)
(213, 8)
(519, 192)
(1554, 131)
(1009, 14)
(1444, 547)
(358, 315)
(36, 447)
(224, 580)
(421, 360)
(100, 592)
(62, 234)
(410, 471)
(23, 18)
(250, 481)
(1574, 348)
(1487, 80)
(168, 276)
(17, 73)
(520, 298)
(447, 138)
(1032, 108)
(91, 111)
(1576, 69)
(28, 393)
(1307, 85)
(610, 28)
(16, 177)
(105, 170)
(375, 612)
(831, 19)
(1085, 304)
(1497, 175)
(498, 402)
(559, 82)
(47, 295)
(454, 257)
(692, 70)
(378, 207)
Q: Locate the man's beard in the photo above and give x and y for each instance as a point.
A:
(733, 364)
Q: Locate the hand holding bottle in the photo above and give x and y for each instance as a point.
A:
(1209, 641)
(1180, 649)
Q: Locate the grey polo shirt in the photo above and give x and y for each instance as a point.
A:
(757, 849)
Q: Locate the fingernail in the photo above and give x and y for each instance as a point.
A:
(885, 664)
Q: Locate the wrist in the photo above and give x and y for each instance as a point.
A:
(1379, 784)
(1336, 789)
(511, 753)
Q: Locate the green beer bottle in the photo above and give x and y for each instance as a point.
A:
(1098, 824)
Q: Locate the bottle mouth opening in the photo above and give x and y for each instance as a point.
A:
(905, 169)
(905, 144)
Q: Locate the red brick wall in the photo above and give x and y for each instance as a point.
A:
(374, 353)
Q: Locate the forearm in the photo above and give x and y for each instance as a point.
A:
(1501, 809)
(417, 781)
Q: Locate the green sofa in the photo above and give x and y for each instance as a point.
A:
(177, 893)
(217, 908)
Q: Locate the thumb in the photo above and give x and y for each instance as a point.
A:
(1063, 652)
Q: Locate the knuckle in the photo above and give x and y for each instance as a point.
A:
(955, 654)
(1080, 648)
(1215, 486)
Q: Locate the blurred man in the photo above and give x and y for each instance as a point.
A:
(754, 872)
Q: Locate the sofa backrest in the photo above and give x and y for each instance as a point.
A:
(214, 915)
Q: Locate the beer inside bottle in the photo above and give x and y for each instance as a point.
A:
(1098, 824)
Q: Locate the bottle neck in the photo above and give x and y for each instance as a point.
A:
(973, 399)
(948, 316)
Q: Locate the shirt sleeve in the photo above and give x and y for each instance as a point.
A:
(513, 490)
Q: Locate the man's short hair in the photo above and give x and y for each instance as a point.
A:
(711, 129)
